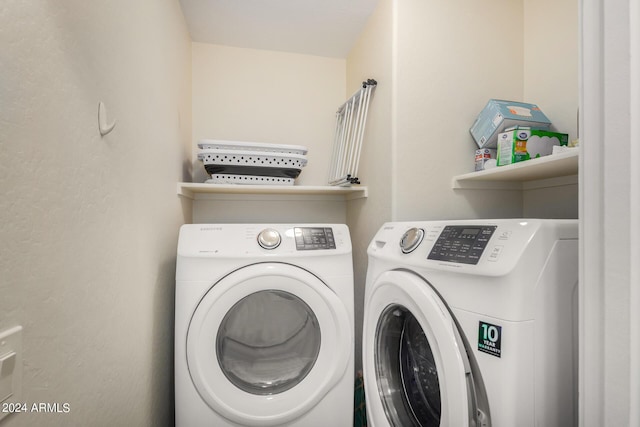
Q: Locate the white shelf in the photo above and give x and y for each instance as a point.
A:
(549, 171)
(198, 191)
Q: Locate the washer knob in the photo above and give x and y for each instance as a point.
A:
(411, 239)
(269, 238)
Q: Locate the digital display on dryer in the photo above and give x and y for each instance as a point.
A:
(462, 244)
(314, 238)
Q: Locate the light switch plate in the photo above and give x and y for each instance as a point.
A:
(10, 367)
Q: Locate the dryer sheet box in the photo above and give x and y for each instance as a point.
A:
(499, 115)
(523, 143)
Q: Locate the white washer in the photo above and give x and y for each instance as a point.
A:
(264, 325)
(472, 323)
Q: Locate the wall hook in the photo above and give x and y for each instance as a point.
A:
(102, 120)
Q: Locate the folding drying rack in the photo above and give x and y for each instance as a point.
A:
(351, 119)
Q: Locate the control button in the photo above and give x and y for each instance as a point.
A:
(269, 238)
(411, 239)
(495, 253)
(504, 235)
(476, 254)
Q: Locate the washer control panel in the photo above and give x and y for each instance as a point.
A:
(314, 238)
(462, 243)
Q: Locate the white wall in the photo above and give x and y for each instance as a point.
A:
(551, 82)
(274, 97)
(553, 202)
(610, 214)
(451, 58)
(371, 57)
(267, 96)
(88, 224)
(272, 208)
(551, 61)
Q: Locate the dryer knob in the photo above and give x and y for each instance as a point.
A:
(411, 239)
(269, 238)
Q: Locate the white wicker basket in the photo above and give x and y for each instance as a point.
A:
(248, 180)
(252, 163)
(213, 144)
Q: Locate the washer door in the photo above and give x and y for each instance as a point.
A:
(417, 371)
(266, 343)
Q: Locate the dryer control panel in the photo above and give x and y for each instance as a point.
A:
(268, 240)
(313, 238)
(462, 243)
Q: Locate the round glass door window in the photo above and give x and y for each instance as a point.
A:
(268, 342)
(406, 370)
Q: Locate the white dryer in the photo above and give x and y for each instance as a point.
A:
(264, 331)
(472, 323)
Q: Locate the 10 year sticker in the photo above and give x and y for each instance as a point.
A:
(490, 339)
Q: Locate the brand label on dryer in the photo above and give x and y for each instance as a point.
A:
(490, 339)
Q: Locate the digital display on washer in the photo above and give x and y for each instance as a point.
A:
(469, 232)
(312, 238)
(462, 244)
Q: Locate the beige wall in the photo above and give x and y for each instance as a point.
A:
(371, 57)
(551, 81)
(267, 96)
(551, 60)
(89, 224)
(450, 61)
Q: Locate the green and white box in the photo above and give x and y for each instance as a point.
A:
(522, 143)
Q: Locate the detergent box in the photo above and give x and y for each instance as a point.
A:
(521, 143)
(499, 115)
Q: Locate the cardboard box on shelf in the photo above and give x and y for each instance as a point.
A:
(499, 115)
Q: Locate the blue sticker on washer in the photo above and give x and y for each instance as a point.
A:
(490, 339)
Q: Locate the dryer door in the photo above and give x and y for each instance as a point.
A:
(417, 372)
(266, 343)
